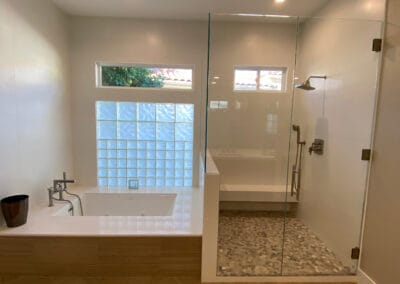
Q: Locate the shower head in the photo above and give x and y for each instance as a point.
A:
(306, 85)
(296, 127)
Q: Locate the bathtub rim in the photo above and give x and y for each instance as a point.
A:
(43, 221)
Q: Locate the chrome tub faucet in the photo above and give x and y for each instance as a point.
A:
(60, 186)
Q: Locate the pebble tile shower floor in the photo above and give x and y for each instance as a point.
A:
(250, 244)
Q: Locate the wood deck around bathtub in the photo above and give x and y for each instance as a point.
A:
(101, 260)
(124, 280)
(101, 256)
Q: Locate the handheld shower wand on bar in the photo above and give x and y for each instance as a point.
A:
(296, 169)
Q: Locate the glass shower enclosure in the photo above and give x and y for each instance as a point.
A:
(290, 110)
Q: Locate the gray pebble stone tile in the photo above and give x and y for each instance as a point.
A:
(255, 243)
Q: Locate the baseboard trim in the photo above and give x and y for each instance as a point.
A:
(363, 278)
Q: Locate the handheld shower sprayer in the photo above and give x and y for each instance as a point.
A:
(296, 128)
(296, 168)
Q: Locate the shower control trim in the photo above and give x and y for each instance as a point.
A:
(317, 147)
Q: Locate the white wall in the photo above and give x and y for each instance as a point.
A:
(353, 9)
(340, 111)
(381, 248)
(129, 41)
(34, 98)
(243, 128)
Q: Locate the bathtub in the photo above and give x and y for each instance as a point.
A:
(119, 211)
(128, 204)
(121, 234)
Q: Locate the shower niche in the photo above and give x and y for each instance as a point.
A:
(275, 84)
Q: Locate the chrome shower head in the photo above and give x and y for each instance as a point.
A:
(306, 85)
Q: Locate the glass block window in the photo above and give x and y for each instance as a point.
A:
(148, 142)
(261, 79)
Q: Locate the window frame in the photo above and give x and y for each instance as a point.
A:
(259, 69)
(218, 106)
(99, 81)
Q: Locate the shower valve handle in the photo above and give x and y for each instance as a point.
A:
(317, 147)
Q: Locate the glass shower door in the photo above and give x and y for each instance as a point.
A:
(322, 237)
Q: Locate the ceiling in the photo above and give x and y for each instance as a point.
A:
(185, 9)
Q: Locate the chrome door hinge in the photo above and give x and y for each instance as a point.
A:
(355, 253)
(366, 154)
(377, 44)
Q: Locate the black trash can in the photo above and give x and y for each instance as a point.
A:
(15, 209)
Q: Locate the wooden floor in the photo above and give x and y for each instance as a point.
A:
(100, 257)
(111, 280)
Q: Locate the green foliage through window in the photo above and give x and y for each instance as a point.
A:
(146, 77)
(121, 76)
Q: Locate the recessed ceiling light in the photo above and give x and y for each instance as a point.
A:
(262, 15)
(279, 1)
(277, 16)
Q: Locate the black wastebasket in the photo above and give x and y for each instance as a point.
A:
(15, 209)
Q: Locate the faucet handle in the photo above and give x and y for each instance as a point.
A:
(57, 186)
(317, 147)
